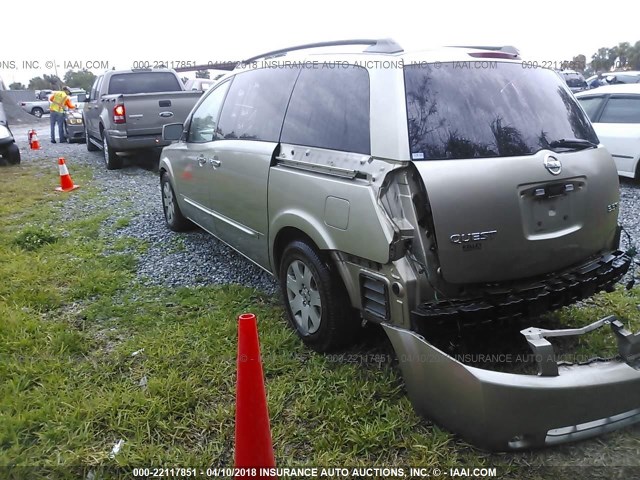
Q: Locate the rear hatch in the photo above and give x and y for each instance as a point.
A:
(509, 198)
(151, 99)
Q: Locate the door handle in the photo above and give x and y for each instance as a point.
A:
(215, 162)
(201, 160)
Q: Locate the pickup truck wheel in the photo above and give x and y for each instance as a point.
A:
(13, 154)
(315, 299)
(112, 160)
(172, 214)
(37, 112)
(91, 147)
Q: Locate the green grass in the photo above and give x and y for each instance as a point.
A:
(72, 315)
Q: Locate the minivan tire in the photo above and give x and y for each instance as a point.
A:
(172, 213)
(315, 299)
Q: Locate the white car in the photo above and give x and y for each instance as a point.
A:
(614, 111)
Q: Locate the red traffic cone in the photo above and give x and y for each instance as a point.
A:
(253, 449)
(34, 143)
(66, 184)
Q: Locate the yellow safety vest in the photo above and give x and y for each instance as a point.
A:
(59, 99)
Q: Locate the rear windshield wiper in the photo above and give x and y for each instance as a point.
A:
(575, 143)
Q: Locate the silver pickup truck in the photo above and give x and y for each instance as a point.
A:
(127, 109)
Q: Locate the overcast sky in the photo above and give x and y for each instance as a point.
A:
(119, 33)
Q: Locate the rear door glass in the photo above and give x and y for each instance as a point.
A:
(329, 109)
(488, 109)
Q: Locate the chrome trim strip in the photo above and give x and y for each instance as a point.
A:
(314, 167)
(228, 221)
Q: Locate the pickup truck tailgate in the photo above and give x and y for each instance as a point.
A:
(146, 113)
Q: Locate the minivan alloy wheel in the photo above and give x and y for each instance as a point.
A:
(169, 202)
(304, 297)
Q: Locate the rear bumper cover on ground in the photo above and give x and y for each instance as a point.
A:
(505, 411)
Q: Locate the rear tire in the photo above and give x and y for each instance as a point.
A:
(172, 214)
(315, 299)
(37, 112)
(111, 159)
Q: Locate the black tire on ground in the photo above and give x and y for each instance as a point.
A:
(37, 112)
(111, 159)
(90, 145)
(315, 299)
(13, 154)
(172, 214)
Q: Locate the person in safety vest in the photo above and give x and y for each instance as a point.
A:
(59, 100)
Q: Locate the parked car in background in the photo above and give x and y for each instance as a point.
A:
(574, 80)
(43, 94)
(126, 110)
(614, 111)
(614, 78)
(74, 120)
(41, 107)
(200, 84)
(595, 81)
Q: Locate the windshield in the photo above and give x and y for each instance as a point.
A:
(488, 109)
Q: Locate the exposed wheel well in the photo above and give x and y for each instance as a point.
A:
(284, 238)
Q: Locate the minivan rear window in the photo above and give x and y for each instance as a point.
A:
(143, 82)
(488, 109)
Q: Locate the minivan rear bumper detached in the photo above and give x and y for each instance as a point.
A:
(505, 411)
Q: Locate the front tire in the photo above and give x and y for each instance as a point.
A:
(111, 159)
(13, 154)
(315, 299)
(172, 214)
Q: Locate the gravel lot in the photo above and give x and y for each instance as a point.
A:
(173, 259)
(191, 258)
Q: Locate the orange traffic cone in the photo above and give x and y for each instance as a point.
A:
(253, 448)
(66, 184)
(34, 143)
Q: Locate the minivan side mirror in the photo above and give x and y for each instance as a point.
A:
(172, 131)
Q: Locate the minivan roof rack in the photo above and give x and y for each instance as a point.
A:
(504, 48)
(380, 45)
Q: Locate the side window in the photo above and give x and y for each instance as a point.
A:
(95, 88)
(329, 109)
(591, 105)
(255, 106)
(621, 110)
(203, 126)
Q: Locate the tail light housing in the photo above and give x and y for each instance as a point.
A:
(119, 114)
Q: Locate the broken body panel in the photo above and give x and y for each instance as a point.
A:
(505, 411)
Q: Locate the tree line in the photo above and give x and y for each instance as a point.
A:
(623, 56)
(75, 79)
